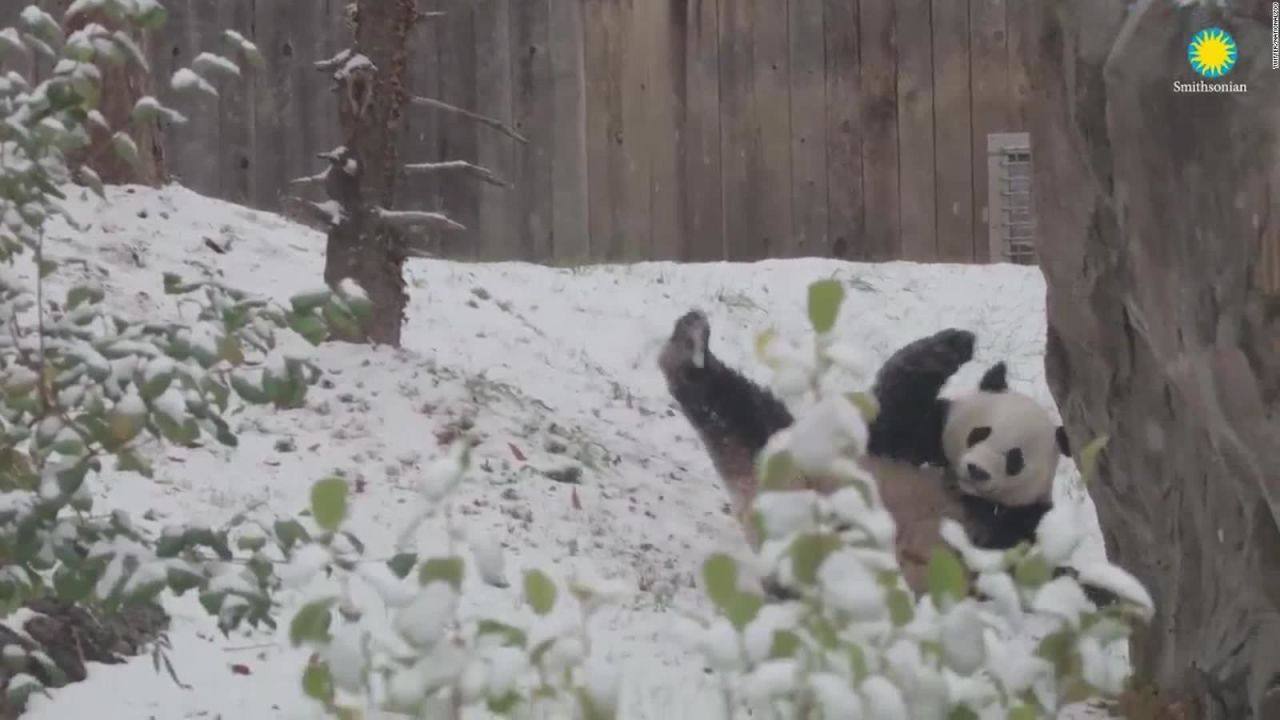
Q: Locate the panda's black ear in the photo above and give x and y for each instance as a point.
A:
(996, 379)
(1064, 444)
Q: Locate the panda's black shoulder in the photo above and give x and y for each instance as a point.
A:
(914, 438)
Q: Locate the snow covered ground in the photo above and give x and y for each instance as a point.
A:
(554, 367)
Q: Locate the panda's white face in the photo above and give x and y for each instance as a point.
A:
(1002, 446)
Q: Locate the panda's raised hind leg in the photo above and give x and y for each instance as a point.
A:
(732, 415)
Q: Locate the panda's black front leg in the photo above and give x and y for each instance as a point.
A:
(909, 425)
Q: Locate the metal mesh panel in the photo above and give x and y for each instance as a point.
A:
(1011, 210)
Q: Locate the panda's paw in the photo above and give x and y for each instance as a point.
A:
(955, 344)
(687, 346)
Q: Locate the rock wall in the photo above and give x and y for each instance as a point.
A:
(1154, 208)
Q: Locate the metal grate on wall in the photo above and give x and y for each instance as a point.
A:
(1011, 219)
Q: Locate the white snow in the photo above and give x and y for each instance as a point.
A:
(547, 368)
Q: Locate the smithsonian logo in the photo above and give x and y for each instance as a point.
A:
(1212, 53)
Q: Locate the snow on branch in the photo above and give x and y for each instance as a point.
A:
(319, 215)
(334, 62)
(417, 219)
(482, 119)
(460, 166)
(311, 179)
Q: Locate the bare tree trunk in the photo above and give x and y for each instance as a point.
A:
(369, 240)
(363, 175)
(1154, 210)
(123, 85)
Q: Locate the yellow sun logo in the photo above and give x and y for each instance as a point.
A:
(1212, 52)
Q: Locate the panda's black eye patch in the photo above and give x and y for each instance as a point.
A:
(977, 435)
(1013, 462)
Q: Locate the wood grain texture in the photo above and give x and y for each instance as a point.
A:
(881, 237)
(989, 92)
(698, 44)
(458, 136)
(663, 130)
(534, 116)
(603, 47)
(916, 171)
(571, 238)
(635, 210)
(809, 124)
(658, 129)
(496, 235)
(952, 131)
(845, 97)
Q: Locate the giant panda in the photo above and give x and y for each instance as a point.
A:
(985, 458)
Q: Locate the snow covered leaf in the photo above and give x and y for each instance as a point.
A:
(1089, 458)
(311, 623)
(329, 502)
(445, 569)
(289, 533)
(125, 147)
(539, 591)
(422, 623)
(776, 470)
(946, 576)
(509, 633)
(808, 552)
(402, 564)
(317, 682)
(720, 577)
(187, 79)
(825, 298)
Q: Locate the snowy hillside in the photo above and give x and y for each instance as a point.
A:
(585, 459)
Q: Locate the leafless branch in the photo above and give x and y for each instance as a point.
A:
(311, 179)
(417, 219)
(320, 216)
(334, 62)
(461, 166)
(482, 119)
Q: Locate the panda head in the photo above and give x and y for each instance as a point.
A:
(1001, 445)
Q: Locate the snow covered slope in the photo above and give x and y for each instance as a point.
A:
(554, 367)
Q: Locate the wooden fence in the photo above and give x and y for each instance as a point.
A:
(658, 129)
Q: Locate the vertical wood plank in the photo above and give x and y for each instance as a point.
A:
(740, 150)
(915, 131)
(989, 54)
(1016, 25)
(882, 238)
(755, 134)
(458, 136)
(602, 48)
(191, 145)
(275, 107)
(570, 192)
(663, 130)
(697, 43)
(495, 235)
(953, 130)
(532, 110)
(237, 146)
(808, 123)
(325, 34)
(771, 75)
(637, 161)
(420, 127)
(845, 97)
